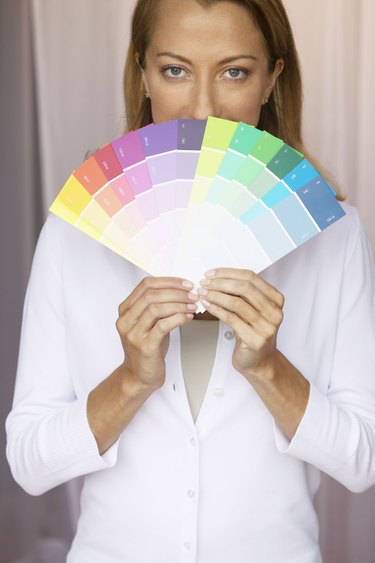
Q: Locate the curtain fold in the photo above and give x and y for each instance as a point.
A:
(365, 193)
(23, 519)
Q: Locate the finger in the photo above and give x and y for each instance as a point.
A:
(246, 333)
(159, 311)
(150, 282)
(243, 310)
(166, 325)
(151, 299)
(248, 294)
(233, 273)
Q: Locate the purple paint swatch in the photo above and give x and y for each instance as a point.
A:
(190, 134)
(160, 139)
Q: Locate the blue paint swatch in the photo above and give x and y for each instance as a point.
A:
(276, 194)
(301, 175)
(320, 202)
(295, 220)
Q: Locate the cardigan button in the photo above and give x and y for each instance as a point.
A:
(229, 335)
(218, 392)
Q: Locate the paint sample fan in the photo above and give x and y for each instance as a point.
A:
(184, 196)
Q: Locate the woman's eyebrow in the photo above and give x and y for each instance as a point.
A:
(223, 61)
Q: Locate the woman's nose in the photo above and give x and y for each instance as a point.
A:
(203, 102)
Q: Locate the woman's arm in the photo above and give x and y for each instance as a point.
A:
(57, 430)
(331, 428)
(253, 308)
(155, 308)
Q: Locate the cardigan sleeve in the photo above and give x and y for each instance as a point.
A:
(49, 440)
(337, 431)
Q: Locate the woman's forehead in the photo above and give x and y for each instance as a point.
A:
(220, 24)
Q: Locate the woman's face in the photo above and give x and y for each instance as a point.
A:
(207, 61)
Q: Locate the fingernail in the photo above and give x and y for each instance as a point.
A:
(192, 306)
(188, 284)
(205, 282)
(202, 291)
(205, 303)
(210, 273)
(189, 316)
(193, 297)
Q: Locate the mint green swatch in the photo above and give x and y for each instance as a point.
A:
(244, 138)
(248, 171)
(230, 164)
(266, 147)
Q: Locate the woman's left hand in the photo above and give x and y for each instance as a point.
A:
(251, 307)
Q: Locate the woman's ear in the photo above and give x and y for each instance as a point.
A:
(143, 74)
(274, 75)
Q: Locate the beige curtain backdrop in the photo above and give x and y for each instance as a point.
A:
(64, 99)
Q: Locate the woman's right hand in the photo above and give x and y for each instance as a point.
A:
(155, 307)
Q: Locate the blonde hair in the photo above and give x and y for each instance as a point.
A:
(281, 116)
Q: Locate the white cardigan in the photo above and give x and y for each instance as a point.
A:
(229, 488)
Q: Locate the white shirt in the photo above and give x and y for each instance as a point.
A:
(229, 487)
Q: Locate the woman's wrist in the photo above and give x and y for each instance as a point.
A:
(266, 371)
(132, 386)
(283, 389)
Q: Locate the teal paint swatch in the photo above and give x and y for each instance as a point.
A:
(284, 161)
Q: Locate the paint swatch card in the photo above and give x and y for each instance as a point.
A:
(184, 196)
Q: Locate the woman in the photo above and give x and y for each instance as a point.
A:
(169, 475)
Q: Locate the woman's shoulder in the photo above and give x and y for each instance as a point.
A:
(58, 230)
(61, 235)
(345, 234)
(352, 218)
(66, 248)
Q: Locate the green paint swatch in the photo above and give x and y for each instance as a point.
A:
(218, 133)
(284, 161)
(266, 147)
(244, 138)
(248, 171)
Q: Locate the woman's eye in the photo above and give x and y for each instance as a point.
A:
(236, 73)
(173, 72)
